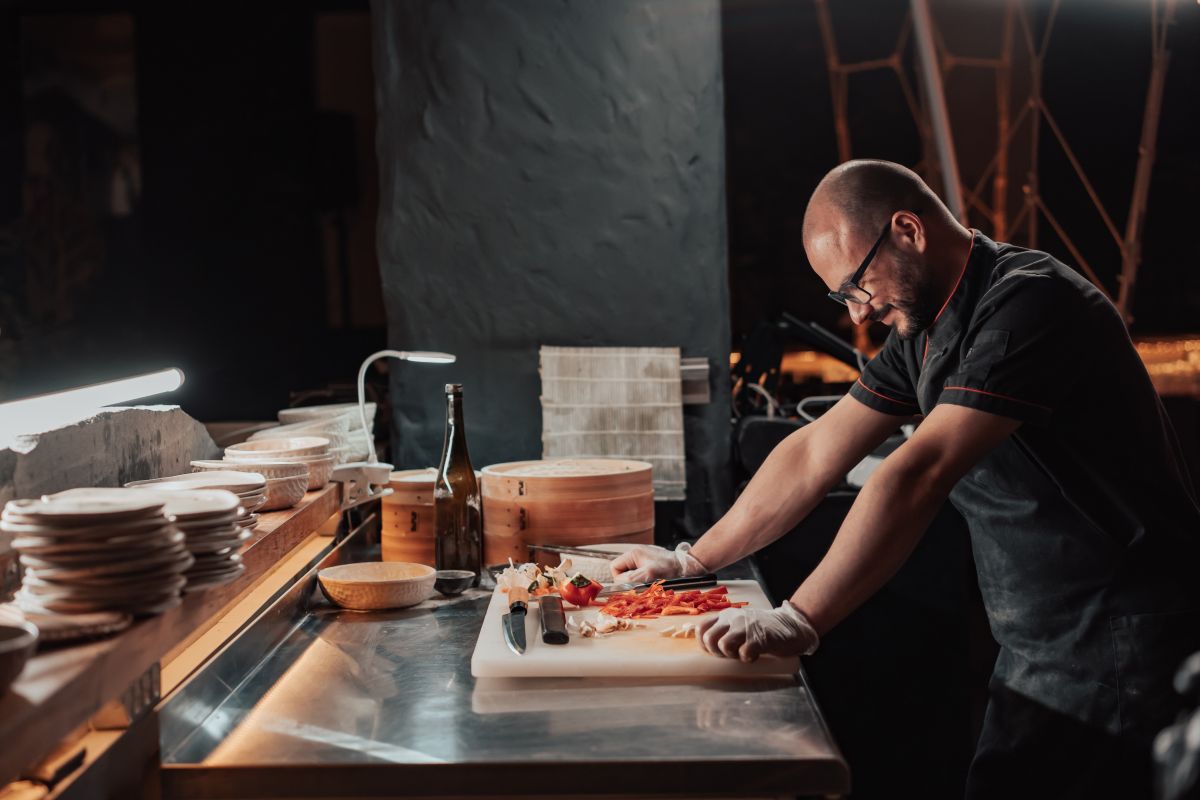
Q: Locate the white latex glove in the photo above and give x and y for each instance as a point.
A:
(647, 563)
(748, 633)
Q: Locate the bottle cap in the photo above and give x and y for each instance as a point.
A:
(453, 388)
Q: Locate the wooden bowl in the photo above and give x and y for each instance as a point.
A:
(377, 585)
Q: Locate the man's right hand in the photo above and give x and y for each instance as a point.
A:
(647, 563)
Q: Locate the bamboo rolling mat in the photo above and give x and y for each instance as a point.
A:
(616, 402)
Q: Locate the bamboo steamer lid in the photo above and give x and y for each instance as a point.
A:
(407, 529)
(567, 479)
(565, 502)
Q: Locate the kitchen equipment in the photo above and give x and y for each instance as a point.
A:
(554, 620)
(89, 550)
(286, 447)
(362, 482)
(285, 492)
(641, 652)
(513, 626)
(349, 410)
(268, 469)
(677, 584)
(452, 582)
(608, 555)
(407, 525)
(570, 502)
(377, 585)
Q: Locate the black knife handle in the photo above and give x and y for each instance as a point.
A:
(554, 620)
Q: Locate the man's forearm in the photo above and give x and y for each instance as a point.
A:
(785, 489)
(884, 525)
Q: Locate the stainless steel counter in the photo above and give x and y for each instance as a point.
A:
(317, 702)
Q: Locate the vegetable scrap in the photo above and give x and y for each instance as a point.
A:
(687, 630)
(523, 581)
(659, 602)
(602, 625)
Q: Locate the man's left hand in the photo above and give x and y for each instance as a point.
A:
(747, 633)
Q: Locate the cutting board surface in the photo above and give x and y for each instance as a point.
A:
(641, 652)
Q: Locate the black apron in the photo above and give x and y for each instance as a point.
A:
(1084, 525)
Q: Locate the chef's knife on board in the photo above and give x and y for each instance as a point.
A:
(514, 626)
(607, 555)
(696, 582)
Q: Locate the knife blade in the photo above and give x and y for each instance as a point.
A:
(607, 555)
(696, 582)
(514, 627)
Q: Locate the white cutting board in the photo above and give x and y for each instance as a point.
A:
(637, 653)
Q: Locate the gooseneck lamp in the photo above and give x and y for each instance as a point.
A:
(419, 356)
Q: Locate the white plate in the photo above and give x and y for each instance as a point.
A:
(82, 506)
(195, 504)
(231, 480)
(87, 532)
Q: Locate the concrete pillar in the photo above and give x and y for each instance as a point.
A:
(551, 173)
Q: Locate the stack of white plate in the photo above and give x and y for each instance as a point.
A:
(93, 550)
(250, 488)
(342, 443)
(209, 519)
(286, 482)
(355, 446)
(311, 451)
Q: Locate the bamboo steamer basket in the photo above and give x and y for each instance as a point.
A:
(567, 501)
(407, 530)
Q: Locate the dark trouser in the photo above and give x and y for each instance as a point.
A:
(1027, 751)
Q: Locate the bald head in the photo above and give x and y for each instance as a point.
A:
(856, 199)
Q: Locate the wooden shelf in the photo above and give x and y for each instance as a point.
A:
(61, 688)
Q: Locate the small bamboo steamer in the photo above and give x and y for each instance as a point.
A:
(407, 530)
(568, 502)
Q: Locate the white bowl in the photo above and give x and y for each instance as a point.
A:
(273, 449)
(376, 585)
(310, 427)
(268, 469)
(284, 493)
(320, 470)
(349, 410)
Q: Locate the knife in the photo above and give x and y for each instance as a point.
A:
(554, 620)
(514, 627)
(607, 555)
(696, 582)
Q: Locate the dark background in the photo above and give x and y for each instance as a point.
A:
(227, 269)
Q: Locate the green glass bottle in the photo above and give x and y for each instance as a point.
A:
(457, 503)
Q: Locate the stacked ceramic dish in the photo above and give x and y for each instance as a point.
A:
(355, 446)
(286, 482)
(311, 451)
(209, 519)
(95, 550)
(342, 443)
(250, 488)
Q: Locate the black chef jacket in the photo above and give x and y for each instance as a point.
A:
(1084, 525)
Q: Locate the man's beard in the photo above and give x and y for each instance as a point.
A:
(916, 298)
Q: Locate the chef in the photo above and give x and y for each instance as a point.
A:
(1040, 424)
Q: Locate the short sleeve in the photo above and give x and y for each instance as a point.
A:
(1024, 351)
(885, 384)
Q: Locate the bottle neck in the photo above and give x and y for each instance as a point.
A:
(455, 447)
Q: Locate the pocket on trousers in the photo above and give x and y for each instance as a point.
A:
(1149, 648)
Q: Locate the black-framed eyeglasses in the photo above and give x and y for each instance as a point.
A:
(851, 292)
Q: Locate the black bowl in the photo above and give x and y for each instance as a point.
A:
(451, 582)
